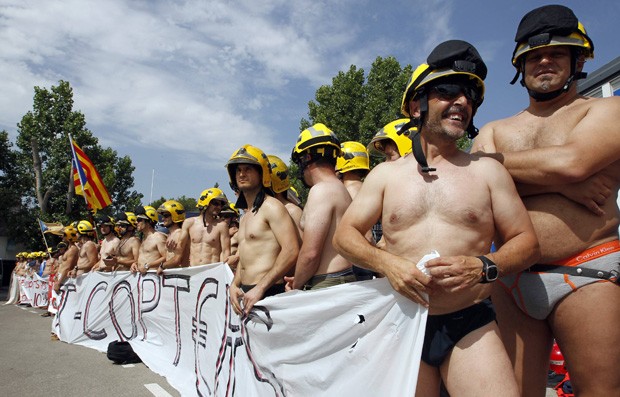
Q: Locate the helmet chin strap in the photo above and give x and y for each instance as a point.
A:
(418, 151)
(547, 96)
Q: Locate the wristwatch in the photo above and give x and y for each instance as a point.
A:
(489, 270)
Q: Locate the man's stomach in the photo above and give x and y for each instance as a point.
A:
(565, 228)
(442, 302)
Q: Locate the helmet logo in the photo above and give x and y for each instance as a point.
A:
(538, 40)
(282, 175)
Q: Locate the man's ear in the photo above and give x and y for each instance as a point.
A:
(414, 108)
(581, 60)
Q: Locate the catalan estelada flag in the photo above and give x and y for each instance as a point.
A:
(87, 181)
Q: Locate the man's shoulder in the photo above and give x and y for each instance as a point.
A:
(611, 103)
(329, 188)
(271, 204)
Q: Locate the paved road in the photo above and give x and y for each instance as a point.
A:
(33, 365)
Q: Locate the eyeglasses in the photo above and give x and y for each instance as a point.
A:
(451, 91)
(217, 203)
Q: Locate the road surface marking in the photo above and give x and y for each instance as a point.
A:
(157, 390)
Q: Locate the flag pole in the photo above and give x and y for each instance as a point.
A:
(44, 240)
(75, 165)
(152, 181)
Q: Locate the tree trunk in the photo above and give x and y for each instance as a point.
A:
(70, 194)
(38, 176)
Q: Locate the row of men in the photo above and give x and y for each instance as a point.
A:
(31, 263)
(195, 241)
(556, 229)
(561, 214)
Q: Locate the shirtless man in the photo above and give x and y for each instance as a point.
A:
(230, 215)
(562, 150)
(352, 167)
(173, 214)
(128, 247)
(445, 200)
(318, 264)
(388, 143)
(68, 256)
(268, 244)
(50, 270)
(208, 235)
(109, 245)
(391, 145)
(20, 265)
(89, 252)
(281, 187)
(152, 252)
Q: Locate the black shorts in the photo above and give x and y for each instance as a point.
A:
(444, 331)
(271, 291)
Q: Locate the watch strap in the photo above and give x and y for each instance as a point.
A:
(486, 263)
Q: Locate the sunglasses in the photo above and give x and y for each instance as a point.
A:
(165, 215)
(141, 220)
(452, 91)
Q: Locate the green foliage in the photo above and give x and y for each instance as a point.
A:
(42, 166)
(189, 203)
(355, 107)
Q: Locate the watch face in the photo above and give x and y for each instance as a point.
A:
(491, 273)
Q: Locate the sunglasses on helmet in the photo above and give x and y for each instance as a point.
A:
(449, 91)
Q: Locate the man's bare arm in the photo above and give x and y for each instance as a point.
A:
(518, 244)
(350, 241)
(591, 192)
(593, 145)
(316, 229)
(283, 229)
(179, 249)
(224, 241)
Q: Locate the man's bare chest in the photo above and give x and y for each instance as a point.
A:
(527, 131)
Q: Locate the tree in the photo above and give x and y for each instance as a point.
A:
(12, 210)
(189, 203)
(356, 107)
(43, 163)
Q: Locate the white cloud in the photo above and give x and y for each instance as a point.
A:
(190, 81)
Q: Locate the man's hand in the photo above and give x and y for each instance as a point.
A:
(407, 280)
(134, 268)
(110, 261)
(290, 281)
(236, 295)
(171, 243)
(455, 273)
(57, 287)
(233, 261)
(592, 193)
(250, 298)
(160, 269)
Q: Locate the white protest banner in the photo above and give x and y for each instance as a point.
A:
(355, 339)
(33, 290)
(13, 297)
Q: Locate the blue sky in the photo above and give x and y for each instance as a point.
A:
(179, 85)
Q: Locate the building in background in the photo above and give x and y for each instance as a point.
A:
(603, 82)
